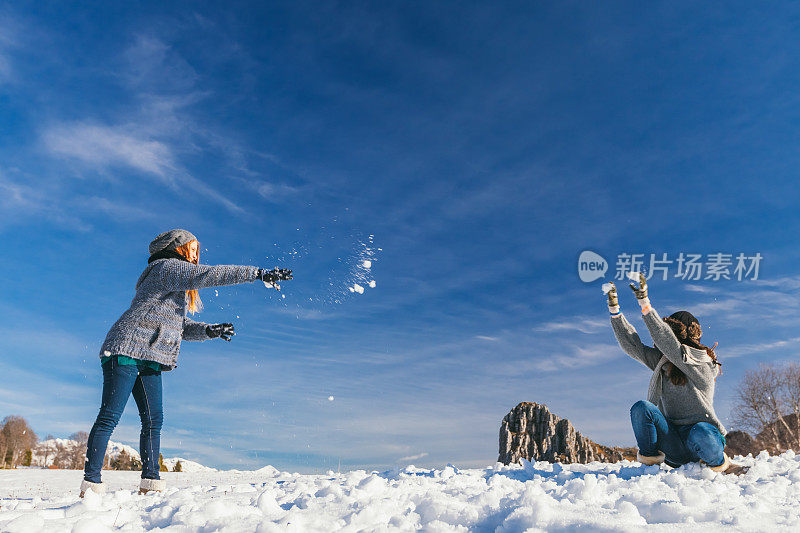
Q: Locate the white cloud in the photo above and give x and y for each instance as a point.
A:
(153, 66)
(581, 324)
(690, 287)
(750, 349)
(120, 210)
(412, 457)
(103, 146)
(275, 191)
(8, 40)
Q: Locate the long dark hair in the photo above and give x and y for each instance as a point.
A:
(687, 328)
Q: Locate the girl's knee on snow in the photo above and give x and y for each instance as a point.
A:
(706, 441)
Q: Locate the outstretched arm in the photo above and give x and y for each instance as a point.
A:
(626, 334)
(177, 275)
(194, 331)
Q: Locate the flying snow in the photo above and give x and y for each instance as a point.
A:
(607, 287)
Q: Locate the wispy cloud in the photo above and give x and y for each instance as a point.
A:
(154, 137)
(751, 349)
(20, 199)
(412, 457)
(119, 210)
(154, 67)
(581, 324)
(275, 192)
(102, 146)
(8, 40)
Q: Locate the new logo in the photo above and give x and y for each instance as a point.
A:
(591, 266)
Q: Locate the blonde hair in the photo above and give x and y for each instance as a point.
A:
(195, 305)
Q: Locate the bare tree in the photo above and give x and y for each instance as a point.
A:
(47, 451)
(78, 452)
(19, 437)
(767, 404)
(3, 446)
(63, 455)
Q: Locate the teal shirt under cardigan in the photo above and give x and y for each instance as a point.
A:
(155, 323)
(129, 361)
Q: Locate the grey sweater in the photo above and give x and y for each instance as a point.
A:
(155, 323)
(681, 404)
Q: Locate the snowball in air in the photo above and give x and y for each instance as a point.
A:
(330, 398)
(358, 288)
(607, 287)
(633, 275)
(372, 284)
(367, 264)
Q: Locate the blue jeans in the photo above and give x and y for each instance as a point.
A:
(680, 444)
(118, 383)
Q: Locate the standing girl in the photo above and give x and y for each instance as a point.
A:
(677, 424)
(146, 340)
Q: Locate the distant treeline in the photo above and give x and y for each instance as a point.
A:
(20, 446)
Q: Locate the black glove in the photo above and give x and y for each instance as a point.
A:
(276, 274)
(220, 330)
(641, 290)
(613, 299)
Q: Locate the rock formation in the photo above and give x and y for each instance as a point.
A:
(741, 443)
(532, 432)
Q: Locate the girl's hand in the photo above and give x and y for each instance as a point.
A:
(276, 274)
(225, 331)
(272, 277)
(641, 293)
(613, 299)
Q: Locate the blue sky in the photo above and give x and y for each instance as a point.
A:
(484, 146)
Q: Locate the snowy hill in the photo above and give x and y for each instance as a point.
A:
(46, 453)
(624, 496)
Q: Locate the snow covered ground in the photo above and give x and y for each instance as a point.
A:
(531, 497)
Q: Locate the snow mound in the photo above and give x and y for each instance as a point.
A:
(186, 465)
(537, 496)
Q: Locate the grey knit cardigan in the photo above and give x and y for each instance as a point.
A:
(156, 322)
(681, 404)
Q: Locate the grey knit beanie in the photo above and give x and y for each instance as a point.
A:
(170, 240)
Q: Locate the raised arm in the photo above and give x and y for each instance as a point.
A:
(177, 275)
(630, 343)
(626, 334)
(692, 362)
(663, 336)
